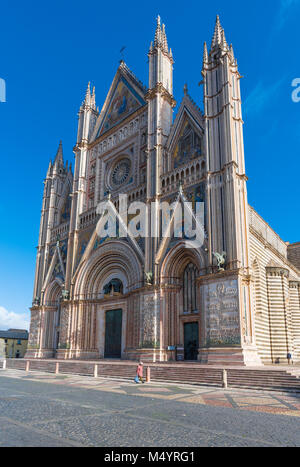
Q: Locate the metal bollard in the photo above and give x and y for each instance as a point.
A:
(96, 371)
(148, 376)
(27, 365)
(4, 364)
(225, 383)
(57, 368)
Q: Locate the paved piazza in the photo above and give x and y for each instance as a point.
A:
(40, 409)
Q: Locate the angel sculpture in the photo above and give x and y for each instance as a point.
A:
(36, 301)
(149, 278)
(221, 258)
(65, 294)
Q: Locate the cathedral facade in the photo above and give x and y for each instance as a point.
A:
(233, 299)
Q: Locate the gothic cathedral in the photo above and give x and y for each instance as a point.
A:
(233, 300)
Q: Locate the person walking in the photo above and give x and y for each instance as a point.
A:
(139, 372)
(290, 358)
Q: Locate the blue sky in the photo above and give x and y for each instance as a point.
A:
(50, 50)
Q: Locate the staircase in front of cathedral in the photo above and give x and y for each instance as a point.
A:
(268, 378)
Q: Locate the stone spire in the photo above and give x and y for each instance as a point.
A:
(224, 44)
(160, 118)
(217, 37)
(160, 59)
(90, 99)
(164, 37)
(231, 52)
(88, 92)
(205, 54)
(158, 34)
(219, 42)
(49, 169)
(87, 99)
(59, 160)
(93, 98)
(160, 38)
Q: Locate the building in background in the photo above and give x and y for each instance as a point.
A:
(13, 343)
(140, 299)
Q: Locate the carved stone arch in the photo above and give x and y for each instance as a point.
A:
(178, 258)
(177, 316)
(53, 292)
(187, 114)
(51, 317)
(114, 259)
(67, 190)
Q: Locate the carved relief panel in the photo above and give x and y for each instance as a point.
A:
(221, 305)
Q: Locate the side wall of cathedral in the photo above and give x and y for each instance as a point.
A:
(276, 291)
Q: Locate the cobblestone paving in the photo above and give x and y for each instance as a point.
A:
(40, 409)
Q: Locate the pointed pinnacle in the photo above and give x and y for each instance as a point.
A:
(224, 44)
(88, 94)
(158, 33)
(59, 155)
(217, 33)
(49, 168)
(205, 53)
(164, 38)
(93, 98)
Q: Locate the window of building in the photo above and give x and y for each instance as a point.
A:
(189, 289)
(115, 286)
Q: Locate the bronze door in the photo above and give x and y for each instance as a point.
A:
(191, 341)
(113, 334)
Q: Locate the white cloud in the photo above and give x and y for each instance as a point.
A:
(284, 11)
(261, 96)
(10, 319)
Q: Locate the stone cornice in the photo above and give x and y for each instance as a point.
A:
(164, 52)
(170, 287)
(277, 271)
(211, 117)
(234, 273)
(225, 167)
(88, 301)
(218, 93)
(294, 284)
(268, 245)
(160, 89)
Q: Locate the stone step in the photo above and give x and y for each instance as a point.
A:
(179, 373)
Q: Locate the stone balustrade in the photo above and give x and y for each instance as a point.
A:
(187, 175)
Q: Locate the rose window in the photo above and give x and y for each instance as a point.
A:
(121, 172)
